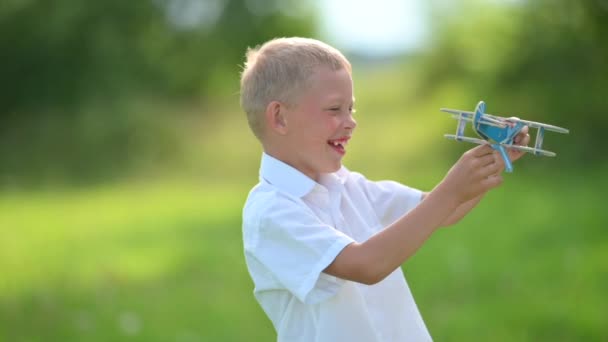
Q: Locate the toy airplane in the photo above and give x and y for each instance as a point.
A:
(499, 132)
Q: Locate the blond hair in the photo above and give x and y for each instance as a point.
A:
(278, 70)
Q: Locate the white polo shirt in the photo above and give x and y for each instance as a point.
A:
(294, 227)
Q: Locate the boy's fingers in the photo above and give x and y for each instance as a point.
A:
(522, 138)
(487, 159)
(492, 168)
(498, 158)
(492, 181)
(525, 139)
(482, 150)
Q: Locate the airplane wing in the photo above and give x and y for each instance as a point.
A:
(469, 115)
(467, 139)
(486, 119)
(457, 112)
(532, 150)
(533, 124)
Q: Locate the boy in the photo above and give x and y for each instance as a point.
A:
(324, 245)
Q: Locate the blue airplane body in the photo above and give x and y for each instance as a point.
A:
(496, 135)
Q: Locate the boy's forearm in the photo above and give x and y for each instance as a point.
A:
(461, 211)
(388, 249)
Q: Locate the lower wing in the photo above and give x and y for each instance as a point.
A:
(532, 150)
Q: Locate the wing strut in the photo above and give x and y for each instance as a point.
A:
(539, 138)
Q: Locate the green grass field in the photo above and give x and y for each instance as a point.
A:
(163, 261)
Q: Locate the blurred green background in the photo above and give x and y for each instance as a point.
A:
(125, 161)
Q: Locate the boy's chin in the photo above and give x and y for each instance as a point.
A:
(334, 168)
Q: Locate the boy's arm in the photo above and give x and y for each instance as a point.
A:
(460, 211)
(371, 261)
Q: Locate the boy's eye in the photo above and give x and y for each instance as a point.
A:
(339, 109)
(333, 111)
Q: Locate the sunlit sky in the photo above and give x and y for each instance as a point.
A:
(378, 27)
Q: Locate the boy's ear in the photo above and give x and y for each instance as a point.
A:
(276, 117)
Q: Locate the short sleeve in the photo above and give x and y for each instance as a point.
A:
(294, 247)
(391, 199)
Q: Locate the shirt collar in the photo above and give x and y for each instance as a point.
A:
(342, 174)
(289, 179)
(285, 177)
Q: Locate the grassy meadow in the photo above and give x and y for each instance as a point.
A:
(164, 263)
(159, 258)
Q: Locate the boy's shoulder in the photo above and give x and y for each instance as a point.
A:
(264, 199)
(280, 186)
(267, 210)
(259, 199)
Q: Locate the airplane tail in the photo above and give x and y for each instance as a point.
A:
(480, 109)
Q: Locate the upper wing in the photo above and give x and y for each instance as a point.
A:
(531, 124)
(459, 113)
(486, 119)
(542, 125)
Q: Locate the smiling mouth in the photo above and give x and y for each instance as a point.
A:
(339, 145)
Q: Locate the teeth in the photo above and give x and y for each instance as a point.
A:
(339, 142)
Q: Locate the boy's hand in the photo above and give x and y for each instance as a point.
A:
(477, 171)
(522, 139)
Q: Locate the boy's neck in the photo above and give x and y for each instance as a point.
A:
(284, 156)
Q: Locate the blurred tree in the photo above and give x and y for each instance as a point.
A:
(70, 68)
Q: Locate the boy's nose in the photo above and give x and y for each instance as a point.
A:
(351, 123)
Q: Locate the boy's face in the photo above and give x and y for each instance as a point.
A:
(321, 123)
